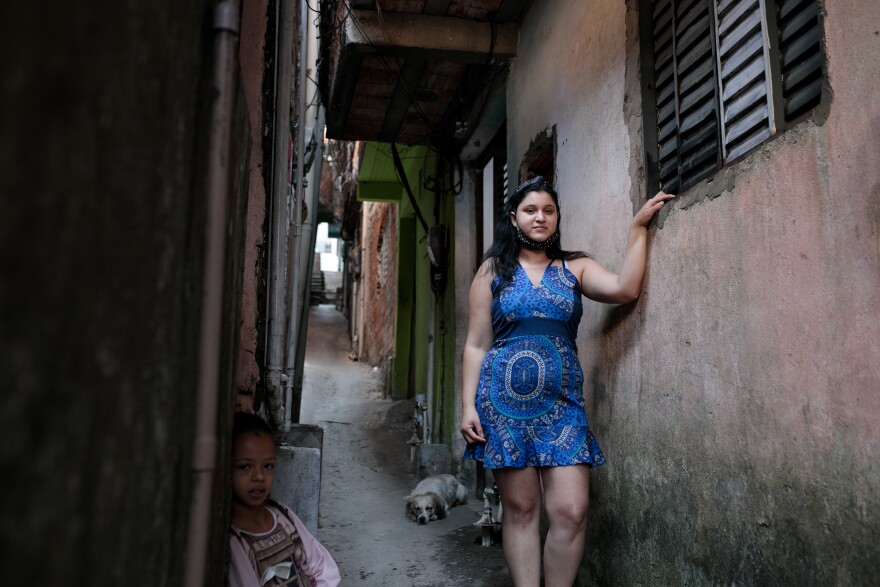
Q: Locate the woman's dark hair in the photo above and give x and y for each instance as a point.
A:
(504, 251)
(243, 423)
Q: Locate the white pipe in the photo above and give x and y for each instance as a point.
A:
(307, 249)
(226, 30)
(275, 307)
(313, 116)
(295, 262)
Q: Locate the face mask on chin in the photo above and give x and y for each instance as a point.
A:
(534, 245)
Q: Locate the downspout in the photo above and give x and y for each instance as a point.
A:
(280, 217)
(295, 265)
(310, 234)
(226, 30)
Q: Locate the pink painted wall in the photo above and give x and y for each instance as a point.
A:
(253, 33)
(737, 401)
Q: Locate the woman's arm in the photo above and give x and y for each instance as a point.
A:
(597, 283)
(479, 341)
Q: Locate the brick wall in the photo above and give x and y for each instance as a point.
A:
(379, 280)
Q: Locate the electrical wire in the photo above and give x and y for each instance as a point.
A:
(401, 174)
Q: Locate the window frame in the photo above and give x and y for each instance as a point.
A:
(773, 57)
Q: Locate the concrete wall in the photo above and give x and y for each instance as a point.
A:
(254, 62)
(737, 400)
(104, 117)
(463, 251)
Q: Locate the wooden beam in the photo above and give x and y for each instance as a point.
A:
(429, 37)
(401, 100)
(342, 93)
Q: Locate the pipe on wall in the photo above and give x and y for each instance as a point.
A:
(310, 234)
(227, 16)
(298, 197)
(278, 251)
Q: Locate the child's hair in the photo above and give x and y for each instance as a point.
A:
(243, 422)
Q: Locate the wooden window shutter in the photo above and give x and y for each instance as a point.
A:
(686, 88)
(743, 63)
(727, 75)
(666, 96)
(801, 55)
(695, 59)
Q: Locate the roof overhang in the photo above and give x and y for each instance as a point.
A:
(414, 71)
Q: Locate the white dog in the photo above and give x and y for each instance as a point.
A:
(432, 498)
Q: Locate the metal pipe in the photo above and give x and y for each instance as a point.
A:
(295, 261)
(277, 281)
(226, 31)
(310, 234)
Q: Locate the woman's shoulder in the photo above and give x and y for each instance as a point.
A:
(578, 264)
(486, 272)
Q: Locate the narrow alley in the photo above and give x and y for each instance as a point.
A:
(367, 474)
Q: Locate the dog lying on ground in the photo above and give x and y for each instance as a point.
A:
(432, 498)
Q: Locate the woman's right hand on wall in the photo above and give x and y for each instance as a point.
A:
(644, 215)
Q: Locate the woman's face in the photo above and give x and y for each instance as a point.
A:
(537, 216)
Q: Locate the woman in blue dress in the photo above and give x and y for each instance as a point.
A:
(523, 410)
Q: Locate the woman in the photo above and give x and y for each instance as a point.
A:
(522, 402)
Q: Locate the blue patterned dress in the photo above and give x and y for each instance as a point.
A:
(529, 398)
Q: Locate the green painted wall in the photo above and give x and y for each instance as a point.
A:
(403, 323)
(415, 296)
(413, 281)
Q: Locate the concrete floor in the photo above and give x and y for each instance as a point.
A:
(367, 474)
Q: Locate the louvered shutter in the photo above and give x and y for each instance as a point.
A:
(695, 59)
(801, 55)
(667, 98)
(742, 49)
(728, 74)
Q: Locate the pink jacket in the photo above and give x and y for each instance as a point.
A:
(286, 555)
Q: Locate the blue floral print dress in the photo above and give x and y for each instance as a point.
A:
(530, 399)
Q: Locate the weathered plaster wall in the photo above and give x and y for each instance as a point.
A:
(253, 72)
(379, 282)
(737, 400)
(447, 361)
(104, 115)
(464, 243)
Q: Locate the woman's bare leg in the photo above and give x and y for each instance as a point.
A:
(520, 535)
(565, 499)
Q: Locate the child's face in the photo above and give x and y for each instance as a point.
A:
(253, 468)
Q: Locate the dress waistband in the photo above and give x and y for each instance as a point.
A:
(535, 327)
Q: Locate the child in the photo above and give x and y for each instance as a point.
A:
(269, 544)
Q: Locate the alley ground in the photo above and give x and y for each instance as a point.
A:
(367, 474)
